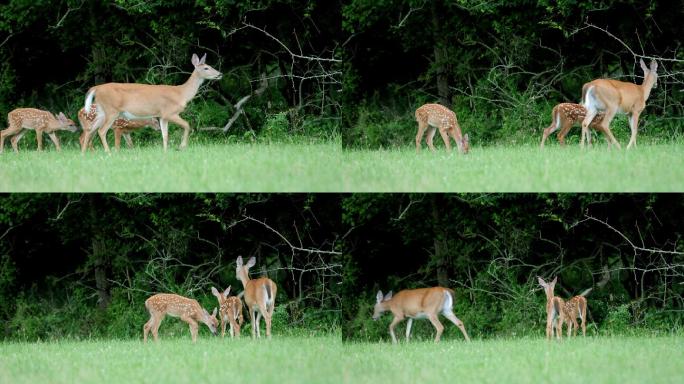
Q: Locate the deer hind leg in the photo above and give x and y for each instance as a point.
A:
(551, 128)
(430, 137)
(634, 127)
(422, 126)
(586, 135)
(186, 128)
(258, 323)
(457, 322)
(15, 140)
(12, 130)
(438, 327)
(251, 319)
(223, 326)
(129, 140)
(164, 127)
(147, 327)
(583, 317)
(566, 126)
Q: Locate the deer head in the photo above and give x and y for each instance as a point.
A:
(650, 74)
(220, 296)
(210, 320)
(203, 70)
(63, 123)
(379, 307)
(548, 287)
(464, 144)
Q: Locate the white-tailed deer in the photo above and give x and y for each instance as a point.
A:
(574, 308)
(564, 116)
(22, 119)
(186, 309)
(230, 309)
(259, 296)
(433, 117)
(612, 96)
(136, 101)
(419, 304)
(121, 126)
(554, 309)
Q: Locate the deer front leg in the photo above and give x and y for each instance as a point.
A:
(223, 326)
(395, 321)
(39, 139)
(445, 138)
(193, 327)
(422, 126)
(186, 128)
(549, 324)
(129, 141)
(55, 140)
(634, 127)
(408, 328)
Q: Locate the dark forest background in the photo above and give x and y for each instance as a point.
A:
(490, 248)
(502, 65)
(82, 265)
(54, 50)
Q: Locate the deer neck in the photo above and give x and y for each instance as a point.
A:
(190, 87)
(244, 278)
(647, 85)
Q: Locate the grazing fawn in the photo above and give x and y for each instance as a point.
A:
(433, 117)
(230, 309)
(554, 309)
(136, 101)
(259, 296)
(418, 304)
(564, 116)
(22, 119)
(612, 96)
(122, 127)
(186, 309)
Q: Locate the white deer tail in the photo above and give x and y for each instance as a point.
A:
(268, 295)
(588, 99)
(586, 292)
(89, 99)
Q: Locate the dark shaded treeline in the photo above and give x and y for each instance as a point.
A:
(490, 248)
(81, 265)
(55, 50)
(501, 65)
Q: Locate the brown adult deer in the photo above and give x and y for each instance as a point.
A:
(22, 119)
(186, 309)
(122, 126)
(554, 309)
(564, 116)
(433, 117)
(260, 296)
(613, 96)
(418, 304)
(136, 101)
(230, 309)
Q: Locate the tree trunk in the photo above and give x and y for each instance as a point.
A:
(440, 243)
(99, 256)
(441, 65)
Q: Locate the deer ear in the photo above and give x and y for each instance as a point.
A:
(541, 281)
(226, 292)
(203, 59)
(554, 280)
(251, 262)
(239, 261)
(195, 60)
(388, 296)
(654, 66)
(643, 65)
(378, 297)
(215, 292)
(213, 313)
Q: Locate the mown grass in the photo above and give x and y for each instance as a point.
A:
(590, 360)
(176, 360)
(202, 167)
(523, 168)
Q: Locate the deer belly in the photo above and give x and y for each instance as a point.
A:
(438, 122)
(418, 315)
(131, 116)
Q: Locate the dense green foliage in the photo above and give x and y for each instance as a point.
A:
(54, 50)
(517, 168)
(281, 360)
(76, 266)
(501, 65)
(490, 248)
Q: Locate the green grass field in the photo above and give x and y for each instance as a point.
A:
(174, 360)
(524, 168)
(328, 360)
(590, 360)
(202, 167)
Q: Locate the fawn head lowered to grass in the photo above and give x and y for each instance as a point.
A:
(433, 117)
(186, 309)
